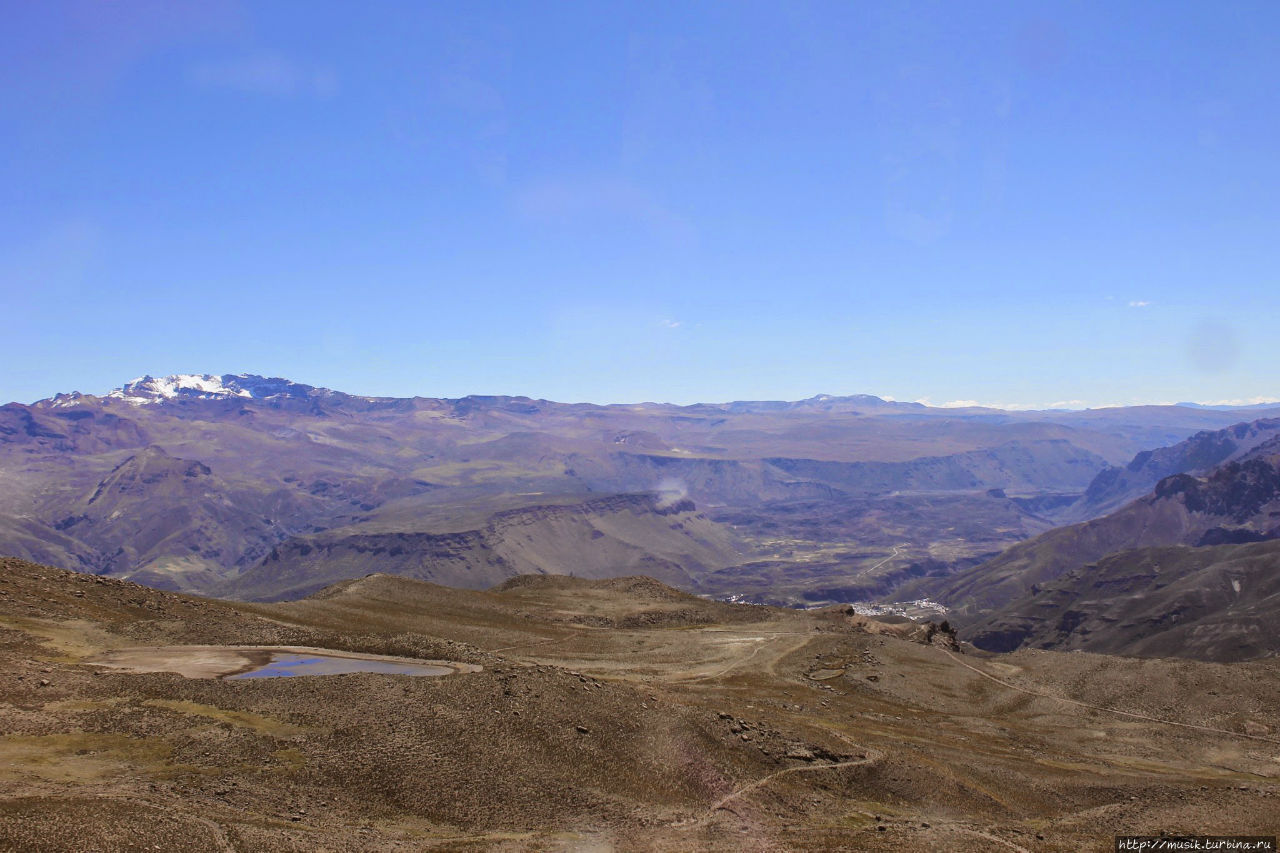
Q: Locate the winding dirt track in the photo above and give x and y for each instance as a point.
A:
(789, 647)
(759, 644)
(871, 756)
(988, 836)
(897, 549)
(531, 643)
(762, 781)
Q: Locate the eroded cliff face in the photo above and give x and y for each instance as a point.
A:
(1115, 487)
(618, 535)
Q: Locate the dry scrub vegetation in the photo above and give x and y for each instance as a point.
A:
(614, 714)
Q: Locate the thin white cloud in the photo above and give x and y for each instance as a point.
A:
(1139, 303)
(1243, 401)
(962, 404)
(1007, 407)
(1017, 407)
(670, 324)
(266, 74)
(977, 404)
(1077, 405)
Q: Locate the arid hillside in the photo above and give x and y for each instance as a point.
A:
(601, 537)
(1217, 603)
(1236, 503)
(594, 714)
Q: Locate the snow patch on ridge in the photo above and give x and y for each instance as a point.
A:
(149, 390)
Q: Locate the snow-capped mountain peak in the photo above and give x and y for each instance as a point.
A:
(148, 390)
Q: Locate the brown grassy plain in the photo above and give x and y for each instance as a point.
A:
(614, 714)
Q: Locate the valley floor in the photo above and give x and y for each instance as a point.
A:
(605, 715)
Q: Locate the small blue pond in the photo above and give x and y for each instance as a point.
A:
(287, 664)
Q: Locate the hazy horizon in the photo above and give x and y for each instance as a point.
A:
(1073, 405)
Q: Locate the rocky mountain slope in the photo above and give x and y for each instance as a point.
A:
(191, 481)
(1217, 603)
(1115, 487)
(1187, 571)
(1237, 502)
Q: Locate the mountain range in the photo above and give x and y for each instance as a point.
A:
(261, 488)
(265, 487)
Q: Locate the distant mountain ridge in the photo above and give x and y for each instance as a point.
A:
(190, 481)
(1114, 487)
(150, 389)
(1227, 407)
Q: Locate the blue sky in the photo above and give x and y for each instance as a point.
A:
(1009, 203)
